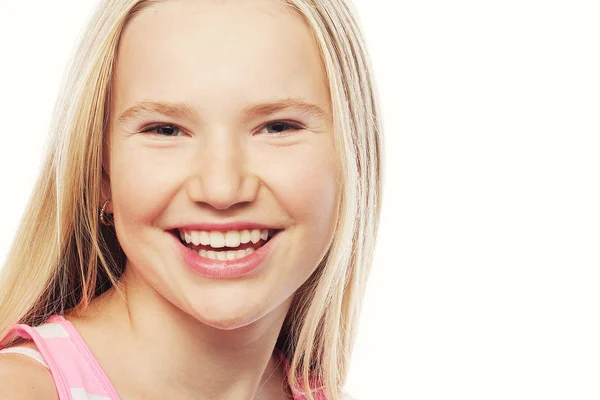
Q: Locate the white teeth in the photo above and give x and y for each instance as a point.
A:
(255, 235)
(249, 250)
(225, 255)
(204, 238)
(245, 236)
(195, 238)
(217, 239)
(232, 239)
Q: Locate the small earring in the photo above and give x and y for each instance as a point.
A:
(103, 218)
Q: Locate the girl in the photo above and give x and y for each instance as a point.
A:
(204, 225)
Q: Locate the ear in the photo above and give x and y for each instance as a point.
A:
(105, 191)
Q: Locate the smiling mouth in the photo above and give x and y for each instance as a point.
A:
(224, 246)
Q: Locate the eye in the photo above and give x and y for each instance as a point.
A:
(279, 127)
(275, 127)
(163, 130)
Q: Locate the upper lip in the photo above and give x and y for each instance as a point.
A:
(224, 227)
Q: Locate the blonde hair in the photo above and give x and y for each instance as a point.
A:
(62, 257)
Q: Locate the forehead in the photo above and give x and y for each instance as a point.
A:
(218, 56)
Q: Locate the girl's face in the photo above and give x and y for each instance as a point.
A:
(244, 136)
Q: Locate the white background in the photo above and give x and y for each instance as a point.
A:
(486, 283)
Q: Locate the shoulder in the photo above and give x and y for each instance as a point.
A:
(22, 378)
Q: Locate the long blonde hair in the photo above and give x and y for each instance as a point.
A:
(62, 257)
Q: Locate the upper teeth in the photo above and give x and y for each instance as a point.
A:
(218, 239)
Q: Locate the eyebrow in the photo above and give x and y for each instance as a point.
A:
(183, 109)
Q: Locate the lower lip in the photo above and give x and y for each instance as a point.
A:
(232, 269)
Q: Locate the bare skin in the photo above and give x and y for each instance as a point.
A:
(176, 334)
(137, 345)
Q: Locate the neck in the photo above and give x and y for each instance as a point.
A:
(163, 352)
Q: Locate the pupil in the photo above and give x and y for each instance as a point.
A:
(280, 125)
(170, 131)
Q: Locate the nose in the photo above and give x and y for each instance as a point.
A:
(220, 174)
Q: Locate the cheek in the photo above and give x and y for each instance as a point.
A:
(303, 178)
(141, 182)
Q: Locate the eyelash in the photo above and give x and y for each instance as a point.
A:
(291, 125)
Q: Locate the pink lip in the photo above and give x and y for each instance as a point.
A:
(232, 269)
(232, 226)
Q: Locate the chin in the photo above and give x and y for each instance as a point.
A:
(236, 315)
(228, 315)
(228, 322)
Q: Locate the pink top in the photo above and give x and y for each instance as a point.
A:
(76, 372)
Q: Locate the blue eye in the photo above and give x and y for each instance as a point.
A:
(280, 127)
(169, 130)
(163, 130)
